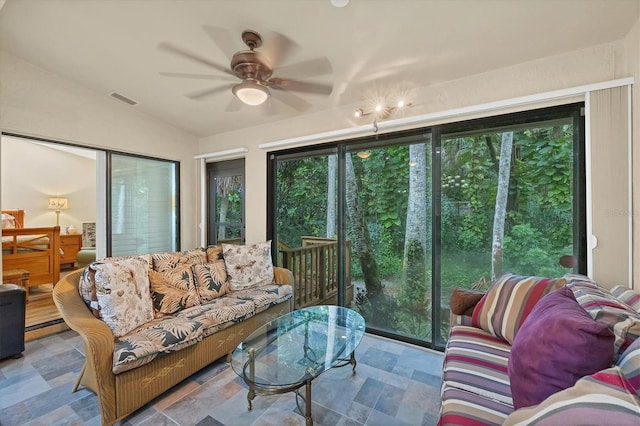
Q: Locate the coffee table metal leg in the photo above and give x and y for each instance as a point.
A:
(250, 395)
(309, 420)
(353, 362)
(252, 377)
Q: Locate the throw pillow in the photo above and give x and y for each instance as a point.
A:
(211, 280)
(605, 398)
(197, 256)
(558, 344)
(87, 284)
(605, 308)
(122, 290)
(508, 302)
(214, 253)
(173, 289)
(8, 221)
(628, 296)
(167, 260)
(463, 301)
(629, 363)
(248, 265)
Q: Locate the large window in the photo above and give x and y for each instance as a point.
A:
(143, 205)
(420, 212)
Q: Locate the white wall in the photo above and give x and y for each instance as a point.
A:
(36, 102)
(595, 64)
(34, 172)
(632, 67)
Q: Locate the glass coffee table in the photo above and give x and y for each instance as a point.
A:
(288, 352)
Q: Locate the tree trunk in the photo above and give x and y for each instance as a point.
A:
(361, 244)
(331, 196)
(224, 207)
(416, 228)
(501, 204)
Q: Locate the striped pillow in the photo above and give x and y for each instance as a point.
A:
(508, 302)
(604, 398)
(629, 363)
(628, 296)
(605, 308)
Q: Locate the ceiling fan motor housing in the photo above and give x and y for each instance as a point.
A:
(251, 64)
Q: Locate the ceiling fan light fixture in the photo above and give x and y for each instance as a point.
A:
(251, 92)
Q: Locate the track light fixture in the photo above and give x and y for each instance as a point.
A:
(381, 111)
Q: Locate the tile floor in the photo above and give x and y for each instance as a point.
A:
(394, 384)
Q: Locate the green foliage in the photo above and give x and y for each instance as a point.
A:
(538, 226)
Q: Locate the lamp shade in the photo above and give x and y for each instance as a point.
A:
(251, 92)
(57, 203)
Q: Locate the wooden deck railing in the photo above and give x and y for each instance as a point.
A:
(315, 269)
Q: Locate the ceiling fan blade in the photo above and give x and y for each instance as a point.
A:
(197, 76)
(192, 56)
(290, 99)
(305, 69)
(234, 105)
(301, 86)
(277, 47)
(223, 39)
(270, 108)
(208, 92)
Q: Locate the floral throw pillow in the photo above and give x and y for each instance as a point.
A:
(122, 290)
(173, 289)
(248, 265)
(211, 280)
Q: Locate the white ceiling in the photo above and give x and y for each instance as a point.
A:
(374, 46)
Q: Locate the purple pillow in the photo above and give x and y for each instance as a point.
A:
(557, 344)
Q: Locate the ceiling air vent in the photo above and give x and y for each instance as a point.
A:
(123, 98)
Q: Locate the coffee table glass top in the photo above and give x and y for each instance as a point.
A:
(298, 346)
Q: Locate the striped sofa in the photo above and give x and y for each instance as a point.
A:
(481, 385)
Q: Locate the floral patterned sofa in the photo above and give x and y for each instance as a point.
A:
(535, 350)
(150, 321)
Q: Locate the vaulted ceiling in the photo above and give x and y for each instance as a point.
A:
(373, 46)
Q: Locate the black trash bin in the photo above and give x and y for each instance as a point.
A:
(12, 316)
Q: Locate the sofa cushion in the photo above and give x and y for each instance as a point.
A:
(628, 296)
(174, 289)
(476, 361)
(604, 398)
(159, 336)
(508, 302)
(122, 290)
(461, 407)
(558, 344)
(248, 265)
(265, 296)
(605, 308)
(211, 280)
(219, 313)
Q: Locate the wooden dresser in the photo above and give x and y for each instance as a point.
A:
(70, 245)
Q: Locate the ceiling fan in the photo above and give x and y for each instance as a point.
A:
(255, 69)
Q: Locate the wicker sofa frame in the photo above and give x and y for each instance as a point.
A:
(121, 394)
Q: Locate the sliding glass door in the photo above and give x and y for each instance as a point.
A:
(306, 237)
(418, 213)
